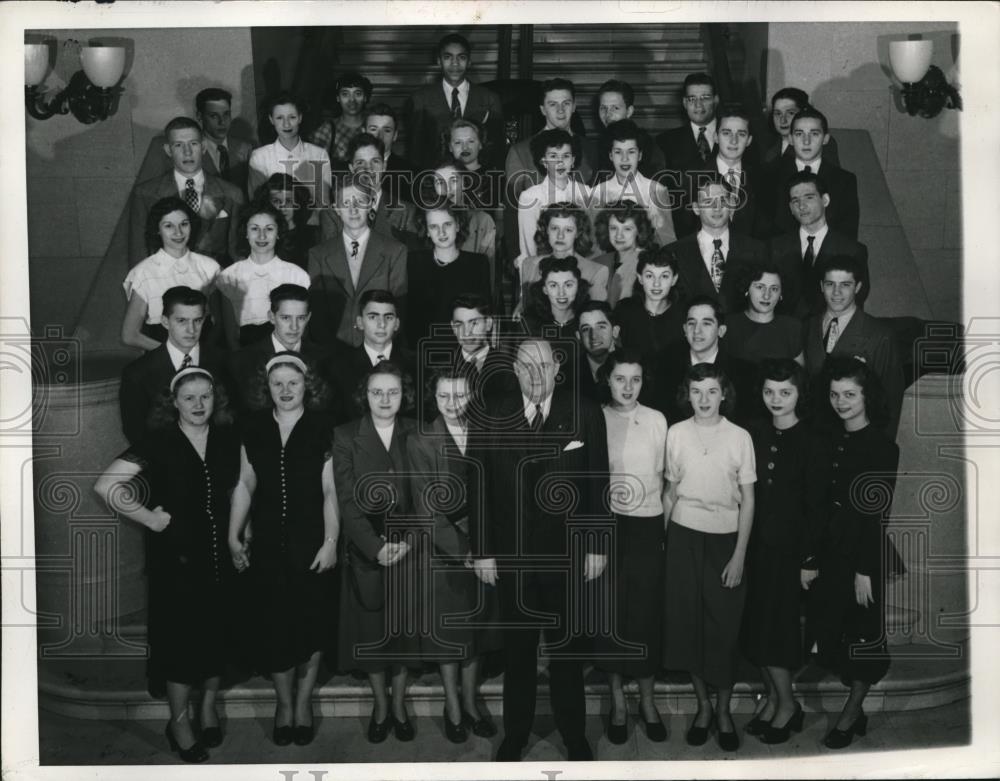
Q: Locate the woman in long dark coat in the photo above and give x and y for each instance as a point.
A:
(190, 463)
(371, 469)
(848, 615)
(287, 476)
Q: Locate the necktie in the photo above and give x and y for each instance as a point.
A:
(223, 160)
(538, 420)
(733, 178)
(718, 264)
(354, 249)
(810, 257)
(191, 195)
(186, 362)
(703, 149)
(832, 332)
(379, 358)
(456, 104)
(808, 169)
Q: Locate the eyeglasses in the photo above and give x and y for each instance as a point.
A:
(699, 99)
(380, 394)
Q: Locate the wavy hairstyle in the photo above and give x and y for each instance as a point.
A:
(844, 367)
(645, 237)
(285, 183)
(782, 370)
(706, 371)
(161, 209)
(281, 245)
(163, 414)
(538, 304)
(386, 367)
(459, 214)
(620, 356)
(583, 246)
(259, 391)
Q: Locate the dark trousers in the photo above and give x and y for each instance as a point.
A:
(532, 602)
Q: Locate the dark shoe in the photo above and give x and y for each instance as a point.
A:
(283, 736)
(697, 736)
(756, 725)
(509, 751)
(617, 733)
(728, 741)
(580, 751)
(377, 732)
(194, 753)
(403, 730)
(656, 731)
(480, 726)
(303, 734)
(454, 732)
(841, 738)
(774, 735)
(211, 737)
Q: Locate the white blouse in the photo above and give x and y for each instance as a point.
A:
(637, 455)
(153, 276)
(248, 285)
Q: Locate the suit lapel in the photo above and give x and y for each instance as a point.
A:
(373, 259)
(337, 262)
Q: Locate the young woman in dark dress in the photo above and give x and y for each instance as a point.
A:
(286, 476)
(847, 616)
(758, 332)
(438, 275)
(440, 475)
(372, 473)
(788, 502)
(190, 463)
(651, 319)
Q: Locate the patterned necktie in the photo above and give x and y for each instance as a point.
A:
(832, 332)
(538, 420)
(733, 178)
(354, 249)
(456, 104)
(223, 160)
(718, 264)
(186, 362)
(191, 195)
(703, 149)
(810, 257)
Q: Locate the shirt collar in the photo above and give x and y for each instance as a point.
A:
(813, 166)
(711, 358)
(709, 129)
(373, 355)
(725, 168)
(181, 180)
(529, 407)
(817, 240)
(181, 264)
(362, 241)
(280, 348)
(478, 356)
(842, 319)
(707, 241)
(177, 357)
(282, 153)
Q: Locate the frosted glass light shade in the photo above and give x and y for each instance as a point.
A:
(103, 64)
(36, 63)
(910, 59)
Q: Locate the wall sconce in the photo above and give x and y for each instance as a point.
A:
(92, 93)
(925, 89)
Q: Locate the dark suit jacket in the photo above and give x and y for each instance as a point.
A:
(217, 237)
(695, 280)
(344, 367)
(801, 293)
(843, 214)
(147, 377)
(358, 453)
(428, 115)
(773, 152)
(334, 300)
(681, 162)
(488, 386)
(750, 218)
(870, 339)
(507, 516)
(239, 162)
(245, 363)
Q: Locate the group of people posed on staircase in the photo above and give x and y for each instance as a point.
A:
(676, 442)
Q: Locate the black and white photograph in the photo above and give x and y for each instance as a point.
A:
(499, 389)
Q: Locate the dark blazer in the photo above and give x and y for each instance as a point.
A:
(801, 294)
(428, 115)
(681, 161)
(506, 517)
(843, 214)
(333, 299)
(147, 377)
(245, 363)
(695, 280)
(217, 237)
(344, 367)
(239, 162)
(870, 339)
(750, 218)
(487, 386)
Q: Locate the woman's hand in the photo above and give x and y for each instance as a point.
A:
(863, 590)
(240, 553)
(326, 557)
(732, 573)
(807, 576)
(159, 519)
(392, 552)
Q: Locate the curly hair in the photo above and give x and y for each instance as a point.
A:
(259, 391)
(659, 257)
(386, 367)
(428, 392)
(161, 209)
(624, 355)
(459, 214)
(706, 371)
(645, 237)
(538, 305)
(163, 413)
(750, 273)
(844, 367)
(251, 210)
(582, 246)
(782, 370)
(285, 183)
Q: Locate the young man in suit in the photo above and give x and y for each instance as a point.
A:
(289, 315)
(147, 377)
(785, 104)
(598, 334)
(709, 262)
(350, 262)
(382, 122)
(800, 255)
(392, 218)
(216, 201)
(810, 133)
(846, 329)
(689, 148)
(430, 110)
(487, 367)
(741, 171)
(225, 156)
(615, 101)
(543, 582)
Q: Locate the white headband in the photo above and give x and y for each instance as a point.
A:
(188, 371)
(280, 358)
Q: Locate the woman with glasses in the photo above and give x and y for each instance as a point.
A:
(371, 469)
